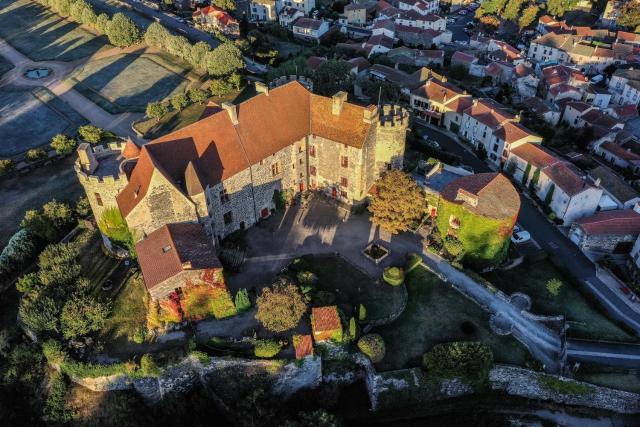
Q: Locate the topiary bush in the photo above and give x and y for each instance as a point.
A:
(242, 300)
(372, 346)
(413, 261)
(266, 348)
(393, 276)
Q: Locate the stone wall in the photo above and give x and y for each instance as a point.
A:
(391, 134)
(196, 277)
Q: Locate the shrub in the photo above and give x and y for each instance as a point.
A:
(122, 31)
(393, 276)
(266, 348)
(91, 133)
(35, 154)
(139, 335)
(197, 95)
(362, 312)
(52, 351)
(155, 110)
(372, 346)
(148, 366)
(242, 300)
(200, 301)
(201, 356)
(280, 307)
(554, 286)
(413, 261)
(454, 247)
(7, 165)
(179, 101)
(39, 312)
(27, 283)
(219, 87)
(83, 208)
(469, 361)
(55, 409)
(353, 330)
(62, 144)
(18, 251)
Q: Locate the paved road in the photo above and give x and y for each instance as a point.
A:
(457, 29)
(551, 240)
(609, 353)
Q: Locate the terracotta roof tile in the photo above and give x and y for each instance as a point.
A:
(303, 345)
(489, 112)
(131, 150)
(617, 222)
(619, 151)
(512, 132)
(325, 319)
(496, 196)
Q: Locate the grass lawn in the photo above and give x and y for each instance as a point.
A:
(174, 120)
(128, 82)
(585, 320)
(352, 287)
(129, 313)
(43, 35)
(5, 65)
(30, 118)
(97, 267)
(434, 314)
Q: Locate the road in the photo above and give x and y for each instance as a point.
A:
(551, 239)
(608, 353)
(457, 29)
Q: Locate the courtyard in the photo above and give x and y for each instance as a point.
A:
(43, 35)
(29, 118)
(128, 82)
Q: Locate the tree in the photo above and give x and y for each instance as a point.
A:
(197, 95)
(242, 300)
(280, 307)
(458, 72)
(331, 77)
(62, 144)
(59, 213)
(381, 92)
(82, 315)
(58, 266)
(219, 87)
(24, 364)
(155, 110)
(179, 101)
(7, 165)
(229, 5)
(629, 15)
(39, 312)
(18, 251)
(156, 35)
(27, 283)
(122, 31)
(101, 22)
(148, 366)
(197, 55)
(397, 203)
(560, 7)
(91, 133)
(512, 10)
(235, 79)
(224, 60)
(372, 345)
(469, 361)
(490, 21)
(553, 286)
(528, 16)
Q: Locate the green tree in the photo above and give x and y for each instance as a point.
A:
(331, 77)
(156, 35)
(197, 55)
(58, 266)
(155, 110)
(229, 5)
(179, 101)
(280, 307)
(629, 15)
(101, 23)
(122, 31)
(381, 92)
(224, 60)
(469, 361)
(554, 286)
(27, 283)
(82, 315)
(91, 133)
(397, 203)
(60, 214)
(39, 312)
(219, 87)
(560, 7)
(24, 363)
(459, 72)
(528, 16)
(148, 366)
(372, 345)
(62, 144)
(83, 208)
(242, 300)
(512, 10)
(235, 79)
(197, 95)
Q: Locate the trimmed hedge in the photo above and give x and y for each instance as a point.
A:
(393, 276)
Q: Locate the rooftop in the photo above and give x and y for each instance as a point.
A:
(614, 184)
(616, 222)
(325, 319)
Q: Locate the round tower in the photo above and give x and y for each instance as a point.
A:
(391, 134)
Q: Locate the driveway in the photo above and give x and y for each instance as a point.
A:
(550, 239)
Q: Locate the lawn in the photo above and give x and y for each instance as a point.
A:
(129, 313)
(435, 313)
(43, 35)
(174, 120)
(585, 320)
(349, 287)
(618, 378)
(128, 82)
(97, 267)
(30, 118)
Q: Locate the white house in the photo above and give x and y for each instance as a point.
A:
(625, 87)
(622, 151)
(617, 194)
(420, 6)
(263, 11)
(309, 29)
(440, 103)
(288, 16)
(304, 5)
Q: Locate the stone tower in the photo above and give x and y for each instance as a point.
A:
(391, 134)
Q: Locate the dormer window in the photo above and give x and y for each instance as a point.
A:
(166, 249)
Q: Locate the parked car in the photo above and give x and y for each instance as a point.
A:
(597, 79)
(519, 235)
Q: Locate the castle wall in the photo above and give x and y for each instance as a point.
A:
(390, 139)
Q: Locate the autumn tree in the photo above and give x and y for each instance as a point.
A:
(229, 5)
(280, 307)
(528, 16)
(512, 10)
(629, 15)
(397, 202)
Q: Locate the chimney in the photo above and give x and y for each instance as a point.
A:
(186, 265)
(262, 88)
(87, 158)
(369, 114)
(444, 79)
(232, 111)
(338, 101)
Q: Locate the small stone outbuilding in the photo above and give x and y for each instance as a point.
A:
(325, 323)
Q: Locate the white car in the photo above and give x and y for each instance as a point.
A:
(430, 142)
(519, 235)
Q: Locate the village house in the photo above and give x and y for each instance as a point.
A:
(214, 18)
(612, 232)
(384, 27)
(263, 11)
(625, 87)
(303, 345)
(416, 57)
(617, 194)
(228, 170)
(621, 150)
(500, 51)
(176, 255)
(306, 6)
(634, 258)
(309, 29)
(464, 59)
(557, 183)
(525, 81)
(546, 111)
(356, 14)
(440, 103)
(561, 76)
(421, 6)
(288, 15)
(326, 324)
(597, 96)
(499, 72)
(411, 18)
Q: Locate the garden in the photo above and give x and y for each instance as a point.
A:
(42, 35)
(584, 319)
(128, 82)
(437, 313)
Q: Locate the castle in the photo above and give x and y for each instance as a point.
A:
(227, 170)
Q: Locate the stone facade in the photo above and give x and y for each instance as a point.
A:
(195, 277)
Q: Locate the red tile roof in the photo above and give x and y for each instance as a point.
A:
(619, 151)
(131, 150)
(536, 155)
(172, 249)
(489, 112)
(561, 74)
(438, 91)
(617, 222)
(567, 177)
(496, 196)
(325, 319)
(217, 13)
(513, 131)
(303, 345)
(459, 56)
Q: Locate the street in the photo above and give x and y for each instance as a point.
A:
(608, 353)
(550, 238)
(457, 29)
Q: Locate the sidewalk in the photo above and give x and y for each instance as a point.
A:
(614, 284)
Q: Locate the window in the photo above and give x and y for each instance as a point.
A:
(300, 148)
(228, 218)
(344, 182)
(275, 169)
(312, 150)
(344, 161)
(312, 170)
(98, 199)
(300, 161)
(343, 194)
(224, 197)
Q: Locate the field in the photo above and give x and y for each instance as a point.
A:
(127, 82)
(43, 35)
(435, 314)
(585, 321)
(30, 118)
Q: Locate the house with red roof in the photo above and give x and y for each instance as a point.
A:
(557, 183)
(440, 103)
(621, 150)
(214, 18)
(464, 59)
(303, 346)
(326, 324)
(609, 232)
